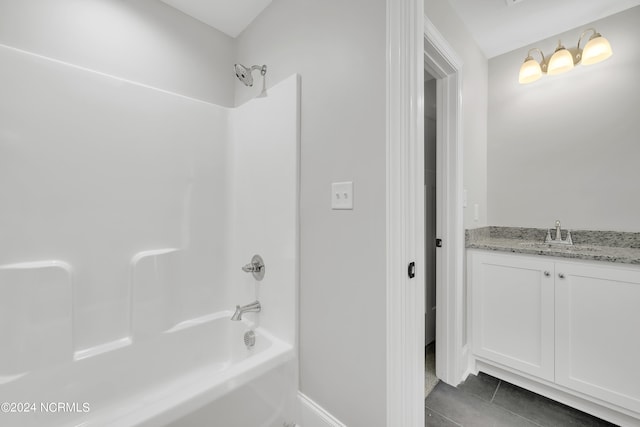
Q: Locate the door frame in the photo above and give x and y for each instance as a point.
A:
(443, 63)
(413, 42)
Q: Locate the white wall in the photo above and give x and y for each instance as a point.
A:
(144, 40)
(474, 106)
(566, 147)
(339, 49)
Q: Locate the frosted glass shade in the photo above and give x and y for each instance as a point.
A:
(530, 71)
(560, 62)
(598, 49)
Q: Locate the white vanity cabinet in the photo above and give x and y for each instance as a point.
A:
(574, 324)
(598, 331)
(513, 311)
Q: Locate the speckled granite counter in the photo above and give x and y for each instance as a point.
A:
(609, 246)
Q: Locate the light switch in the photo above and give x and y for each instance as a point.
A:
(342, 195)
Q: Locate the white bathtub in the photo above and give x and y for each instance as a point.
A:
(199, 373)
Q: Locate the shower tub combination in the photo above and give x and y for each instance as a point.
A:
(129, 212)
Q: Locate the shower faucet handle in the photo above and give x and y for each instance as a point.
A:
(256, 267)
(252, 267)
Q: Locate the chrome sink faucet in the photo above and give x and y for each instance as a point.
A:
(254, 307)
(558, 239)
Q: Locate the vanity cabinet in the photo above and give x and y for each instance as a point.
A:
(598, 332)
(574, 324)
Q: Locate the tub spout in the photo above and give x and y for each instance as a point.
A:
(254, 307)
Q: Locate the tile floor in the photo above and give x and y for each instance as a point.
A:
(485, 401)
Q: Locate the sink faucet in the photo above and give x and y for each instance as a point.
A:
(254, 307)
(558, 239)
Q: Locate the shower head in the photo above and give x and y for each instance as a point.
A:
(244, 73)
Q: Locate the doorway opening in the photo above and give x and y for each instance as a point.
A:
(430, 189)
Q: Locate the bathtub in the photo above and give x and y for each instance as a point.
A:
(197, 373)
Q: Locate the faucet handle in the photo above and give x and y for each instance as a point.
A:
(252, 267)
(256, 267)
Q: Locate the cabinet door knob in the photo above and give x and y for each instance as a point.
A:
(561, 275)
(547, 274)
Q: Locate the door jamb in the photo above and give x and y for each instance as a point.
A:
(442, 61)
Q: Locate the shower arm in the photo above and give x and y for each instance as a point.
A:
(262, 68)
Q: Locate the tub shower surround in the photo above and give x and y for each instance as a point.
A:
(128, 213)
(609, 246)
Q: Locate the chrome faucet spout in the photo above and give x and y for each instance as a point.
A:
(254, 307)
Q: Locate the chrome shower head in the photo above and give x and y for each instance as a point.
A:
(244, 73)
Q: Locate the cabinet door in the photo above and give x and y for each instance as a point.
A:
(512, 300)
(598, 332)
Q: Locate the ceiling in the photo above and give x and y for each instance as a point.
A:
(229, 16)
(500, 26)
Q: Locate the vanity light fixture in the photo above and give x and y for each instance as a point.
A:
(597, 49)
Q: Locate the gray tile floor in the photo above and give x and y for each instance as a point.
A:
(485, 401)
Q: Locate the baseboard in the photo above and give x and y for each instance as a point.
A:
(468, 364)
(314, 415)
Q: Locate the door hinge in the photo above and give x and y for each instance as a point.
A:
(412, 270)
(438, 243)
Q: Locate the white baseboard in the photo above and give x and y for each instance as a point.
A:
(314, 415)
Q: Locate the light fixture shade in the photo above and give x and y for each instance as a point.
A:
(530, 71)
(598, 49)
(560, 62)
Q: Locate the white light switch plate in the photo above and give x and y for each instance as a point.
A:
(342, 195)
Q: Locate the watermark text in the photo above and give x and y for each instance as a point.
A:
(44, 407)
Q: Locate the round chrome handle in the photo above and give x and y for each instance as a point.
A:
(255, 267)
(561, 275)
(547, 274)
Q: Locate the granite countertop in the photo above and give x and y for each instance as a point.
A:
(609, 246)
